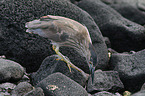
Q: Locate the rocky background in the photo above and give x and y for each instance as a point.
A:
(28, 65)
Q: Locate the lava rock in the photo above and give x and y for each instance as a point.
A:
(6, 88)
(140, 93)
(143, 87)
(105, 81)
(4, 94)
(30, 50)
(10, 71)
(107, 42)
(105, 93)
(35, 92)
(124, 35)
(50, 65)
(130, 9)
(58, 84)
(75, 1)
(25, 78)
(130, 68)
(21, 89)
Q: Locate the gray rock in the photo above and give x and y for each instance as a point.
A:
(143, 87)
(6, 88)
(10, 71)
(140, 93)
(107, 42)
(58, 84)
(131, 69)
(4, 94)
(2, 57)
(130, 9)
(105, 81)
(124, 35)
(21, 89)
(25, 78)
(75, 1)
(105, 93)
(35, 92)
(50, 65)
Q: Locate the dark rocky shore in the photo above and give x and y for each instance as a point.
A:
(28, 65)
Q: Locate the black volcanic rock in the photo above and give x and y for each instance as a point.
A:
(105, 81)
(50, 65)
(133, 10)
(30, 50)
(131, 69)
(58, 84)
(104, 93)
(124, 35)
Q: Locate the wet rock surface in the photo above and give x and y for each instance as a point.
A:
(45, 76)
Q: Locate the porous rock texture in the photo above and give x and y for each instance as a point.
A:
(124, 34)
(53, 77)
(133, 10)
(105, 81)
(30, 50)
(10, 71)
(50, 65)
(58, 84)
(131, 69)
